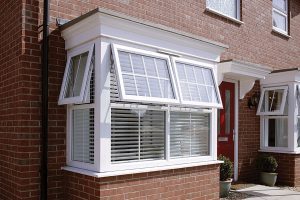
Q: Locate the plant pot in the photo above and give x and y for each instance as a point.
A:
(268, 179)
(225, 188)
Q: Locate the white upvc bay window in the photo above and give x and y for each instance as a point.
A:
(138, 102)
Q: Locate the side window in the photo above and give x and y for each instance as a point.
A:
(280, 16)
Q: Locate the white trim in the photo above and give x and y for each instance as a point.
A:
(136, 98)
(279, 31)
(136, 171)
(277, 112)
(78, 99)
(224, 15)
(201, 65)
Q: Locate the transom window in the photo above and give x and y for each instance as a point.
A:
(230, 8)
(280, 15)
(273, 101)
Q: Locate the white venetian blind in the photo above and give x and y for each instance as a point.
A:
(145, 76)
(189, 134)
(83, 135)
(137, 135)
(196, 83)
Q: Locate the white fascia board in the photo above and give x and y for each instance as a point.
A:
(282, 77)
(118, 26)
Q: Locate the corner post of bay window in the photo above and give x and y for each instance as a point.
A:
(213, 132)
(97, 151)
(292, 117)
(103, 109)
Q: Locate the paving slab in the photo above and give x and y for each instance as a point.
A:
(260, 192)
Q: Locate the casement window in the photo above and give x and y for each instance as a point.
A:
(78, 73)
(230, 8)
(273, 108)
(280, 16)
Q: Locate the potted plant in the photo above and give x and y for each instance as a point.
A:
(267, 166)
(225, 176)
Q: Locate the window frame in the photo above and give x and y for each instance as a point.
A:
(123, 96)
(238, 11)
(277, 10)
(82, 97)
(284, 98)
(201, 65)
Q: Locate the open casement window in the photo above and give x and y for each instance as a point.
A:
(78, 73)
(144, 76)
(197, 84)
(273, 101)
(230, 8)
(280, 15)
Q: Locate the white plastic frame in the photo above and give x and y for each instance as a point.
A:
(135, 98)
(201, 65)
(238, 10)
(87, 73)
(280, 12)
(277, 112)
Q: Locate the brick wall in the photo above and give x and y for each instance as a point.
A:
(20, 88)
(187, 183)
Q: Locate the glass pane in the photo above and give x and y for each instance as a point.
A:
(298, 128)
(227, 7)
(280, 4)
(227, 111)
(189, 134)
(272, 100)
(279, 21)
(278, 132)
(149, 78)
(198, 85)
(83, 135)
(75, 75)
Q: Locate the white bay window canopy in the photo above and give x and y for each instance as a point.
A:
(279, 112)
(149, 96)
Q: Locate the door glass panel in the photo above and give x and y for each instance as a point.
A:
(227, 111)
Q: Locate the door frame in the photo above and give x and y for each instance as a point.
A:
(236, 126)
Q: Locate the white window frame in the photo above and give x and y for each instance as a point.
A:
(238, 11)
(284, 97)
(280, 12)
(135, 98)
(202, 65)
(82, 97)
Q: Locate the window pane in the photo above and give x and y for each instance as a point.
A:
(298, 128)
(75, 75)
(272, 100)
(227, 7)
(83, 135)
(280, 4)
(137, 135)
(198, 86)
(189, 134)
(149, 78)
(227, 111)
(279, 21)
(278, 132)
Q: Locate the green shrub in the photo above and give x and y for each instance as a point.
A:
(266, 163)
(225, 168)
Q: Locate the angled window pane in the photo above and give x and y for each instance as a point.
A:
(277, 132)
(198, 85)
(78, 74)
(144, 76)
(227, 7)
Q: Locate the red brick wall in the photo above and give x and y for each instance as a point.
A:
(249, 137)
(187, 183)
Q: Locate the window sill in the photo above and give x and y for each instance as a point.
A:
(135, 171)
(225, 16)
(280, 33)
(279, 151)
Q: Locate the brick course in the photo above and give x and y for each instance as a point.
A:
(20, 89)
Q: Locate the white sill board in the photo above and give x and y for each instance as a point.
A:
(281, 33)
(279, 151)
(223, 15)
(135, 171)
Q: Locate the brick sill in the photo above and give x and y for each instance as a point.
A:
(135, 171)
(225, 16)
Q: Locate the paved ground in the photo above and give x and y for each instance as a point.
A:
(260, 192)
